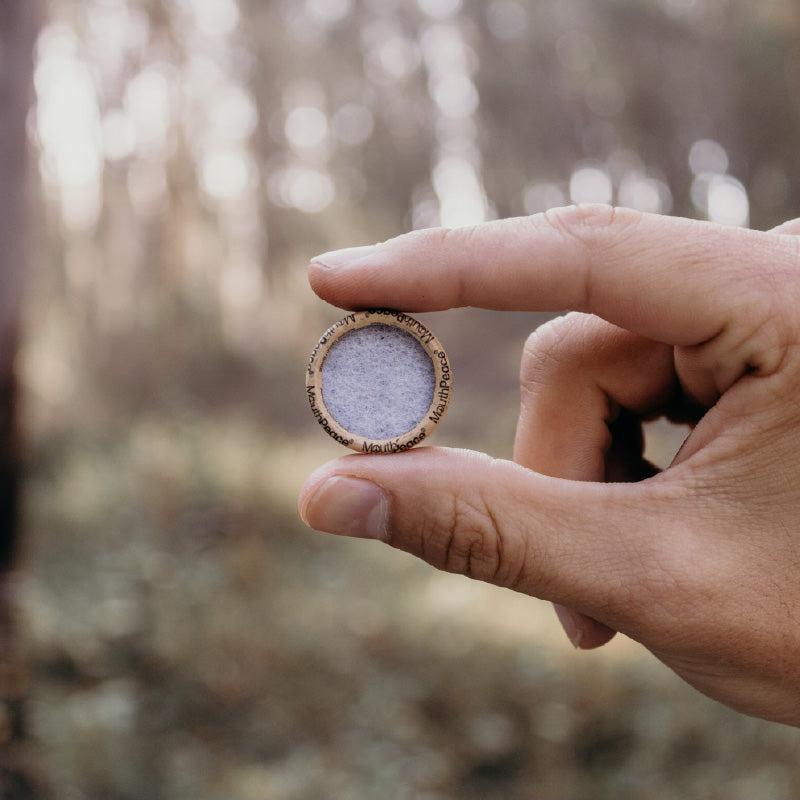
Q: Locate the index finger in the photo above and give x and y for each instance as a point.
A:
(668, 278)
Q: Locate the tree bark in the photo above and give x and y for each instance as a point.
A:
(18, 24)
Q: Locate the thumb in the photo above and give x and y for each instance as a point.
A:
(576, 543)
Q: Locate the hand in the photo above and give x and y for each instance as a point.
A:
(700, 563)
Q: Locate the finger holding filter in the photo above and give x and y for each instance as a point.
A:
(379, 381)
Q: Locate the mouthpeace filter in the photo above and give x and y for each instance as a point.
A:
(378, 381)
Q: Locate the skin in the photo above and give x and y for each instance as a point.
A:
(700, 563)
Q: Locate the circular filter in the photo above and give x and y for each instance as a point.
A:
(378, 381)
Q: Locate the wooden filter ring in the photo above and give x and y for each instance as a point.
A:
(379, 381)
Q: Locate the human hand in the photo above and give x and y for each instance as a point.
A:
(700, 563)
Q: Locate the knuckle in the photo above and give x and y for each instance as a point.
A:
(597, 230)
(767, 342)
(552, 346)
(466, 540)
(595, 225)
(758, 340)
(761, 285)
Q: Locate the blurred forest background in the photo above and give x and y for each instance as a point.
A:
(181, 633)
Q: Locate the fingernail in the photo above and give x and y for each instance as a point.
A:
(571, 624)
(341, 258)
(352, 507)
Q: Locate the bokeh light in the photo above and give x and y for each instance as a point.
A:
(590, 185)
(186, 635)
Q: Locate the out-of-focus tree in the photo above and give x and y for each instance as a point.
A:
(185, 635)
(17, 32)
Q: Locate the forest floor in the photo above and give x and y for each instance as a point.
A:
(187, 636)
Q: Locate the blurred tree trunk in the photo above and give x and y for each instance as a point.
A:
(18, 21)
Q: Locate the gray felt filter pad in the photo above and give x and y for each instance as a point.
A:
(377, 381)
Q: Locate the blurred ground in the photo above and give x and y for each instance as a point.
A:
(185, 635)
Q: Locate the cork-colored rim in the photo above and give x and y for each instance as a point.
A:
(443, 381)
